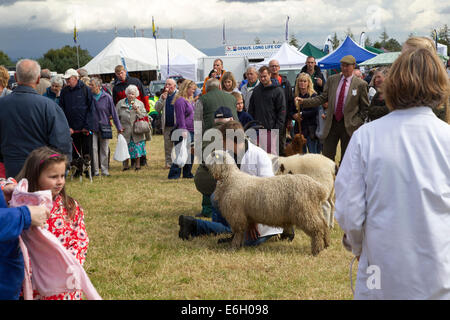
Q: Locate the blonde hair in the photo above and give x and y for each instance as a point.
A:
(417, 78)
(419, 42)
(307, 77)
(4, 77)
(182, 91)
(237, 95)
(228, 76)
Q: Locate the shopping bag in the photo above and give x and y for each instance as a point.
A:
(121, 153)
(180, 153)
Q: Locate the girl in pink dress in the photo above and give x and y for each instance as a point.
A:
(45, 170)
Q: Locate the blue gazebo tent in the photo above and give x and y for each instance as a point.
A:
(348, 47)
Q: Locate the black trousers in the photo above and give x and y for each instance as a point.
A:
(82, 144)
(337, 133)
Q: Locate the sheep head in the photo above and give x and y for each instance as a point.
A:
(220, 163)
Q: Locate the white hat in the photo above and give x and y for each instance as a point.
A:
(70, 73)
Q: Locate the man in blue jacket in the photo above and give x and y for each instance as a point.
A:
(12, 222)
(29, 121)
(77, 102)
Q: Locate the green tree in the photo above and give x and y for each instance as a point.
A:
(60, 60)
(5, 60)
(257, 41)
(335, 41)
(443, 36)
(393, 45)
(384, 37)
(368, 43)
(349, 33)
(293, 41)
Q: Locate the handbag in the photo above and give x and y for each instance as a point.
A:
(141, 126)
(105, 131)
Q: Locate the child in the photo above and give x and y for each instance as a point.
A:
(244, 117)
(45, 170)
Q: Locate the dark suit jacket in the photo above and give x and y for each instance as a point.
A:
(355, 105)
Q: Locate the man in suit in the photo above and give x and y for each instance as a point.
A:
(348, 101)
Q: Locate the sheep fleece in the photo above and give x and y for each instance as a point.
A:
(279, 201)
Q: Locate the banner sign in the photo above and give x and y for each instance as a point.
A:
(252, 50)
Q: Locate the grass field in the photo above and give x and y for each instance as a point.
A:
(135, 252)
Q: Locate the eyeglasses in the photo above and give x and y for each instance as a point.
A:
(274, 66)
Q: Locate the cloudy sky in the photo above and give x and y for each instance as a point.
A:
(31, 28)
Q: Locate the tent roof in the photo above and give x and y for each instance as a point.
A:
(374, 50)
(348, 47)
(139, 54)
(388, 58)
(288, 57)
(309, 50)
(382, 59)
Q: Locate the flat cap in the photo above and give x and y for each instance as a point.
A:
(348, 60)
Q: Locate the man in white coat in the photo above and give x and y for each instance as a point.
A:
(393, 188)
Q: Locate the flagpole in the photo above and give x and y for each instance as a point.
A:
(158, 75)
(75, 39)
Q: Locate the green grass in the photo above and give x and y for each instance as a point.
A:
(135, 252)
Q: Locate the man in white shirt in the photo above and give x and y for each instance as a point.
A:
(250, 159)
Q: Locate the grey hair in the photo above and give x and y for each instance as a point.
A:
(57, 80)
(212, 83)
(132, 89)
(27, 71)
(251, 69)
(82, 73)
(45, 73)
(172, 81)
(97, 81)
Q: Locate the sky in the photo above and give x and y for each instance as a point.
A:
(28, 29)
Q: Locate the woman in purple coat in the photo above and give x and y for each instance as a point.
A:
(184, 120)
(104, 111)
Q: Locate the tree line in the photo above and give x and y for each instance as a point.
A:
(58, 60)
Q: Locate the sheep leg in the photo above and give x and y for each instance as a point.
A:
(317, 230)
(238, 240)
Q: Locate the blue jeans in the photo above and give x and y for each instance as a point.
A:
(175, 171)
(219, 225)
(313, 145)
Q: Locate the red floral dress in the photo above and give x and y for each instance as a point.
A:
(73, 236)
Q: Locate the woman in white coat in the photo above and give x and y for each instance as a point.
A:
(393, 188)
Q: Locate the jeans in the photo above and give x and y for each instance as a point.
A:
(219, 225)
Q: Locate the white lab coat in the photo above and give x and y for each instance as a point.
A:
(393, 202)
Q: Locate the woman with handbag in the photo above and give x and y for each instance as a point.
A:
(104, 111)
(184, 114)
(132, 115)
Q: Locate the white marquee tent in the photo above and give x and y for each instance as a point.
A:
(139, 54)
(288, 57)
(180, 65)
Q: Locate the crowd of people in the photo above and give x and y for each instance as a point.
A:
(391, 144)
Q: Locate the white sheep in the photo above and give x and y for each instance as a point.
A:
(318, 167)
(278, 201)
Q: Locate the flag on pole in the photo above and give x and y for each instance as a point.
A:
(153, 28)
(75, 34)
(287, 29)
(362, 39)
(328, 46)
